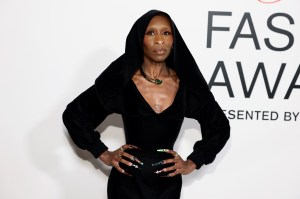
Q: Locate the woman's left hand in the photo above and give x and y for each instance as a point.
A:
(180, 166)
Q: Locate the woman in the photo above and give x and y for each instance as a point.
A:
(153, 85)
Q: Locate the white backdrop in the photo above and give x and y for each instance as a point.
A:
(50, 51)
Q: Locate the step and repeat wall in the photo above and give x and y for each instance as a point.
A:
(248, 52)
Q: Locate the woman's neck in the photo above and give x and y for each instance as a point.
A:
(156, 70)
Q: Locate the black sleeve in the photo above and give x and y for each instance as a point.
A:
(81, 117)
(215, 131)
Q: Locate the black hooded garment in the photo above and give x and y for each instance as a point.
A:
(115, 92)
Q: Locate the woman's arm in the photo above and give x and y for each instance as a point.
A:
(215, 131)
(81, 117)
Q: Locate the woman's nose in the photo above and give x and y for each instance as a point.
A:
(159, 40)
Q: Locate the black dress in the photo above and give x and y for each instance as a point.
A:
(149, 131)
(115, 92)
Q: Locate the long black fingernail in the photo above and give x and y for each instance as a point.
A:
(158, 163)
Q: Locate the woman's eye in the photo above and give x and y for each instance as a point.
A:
(150, 33)
(167, 33)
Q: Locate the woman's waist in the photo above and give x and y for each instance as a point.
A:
(150, 153)
(152, 163)
(149, 145)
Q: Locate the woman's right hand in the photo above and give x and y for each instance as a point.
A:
(113, 158)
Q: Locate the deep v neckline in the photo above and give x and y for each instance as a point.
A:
(147, 103)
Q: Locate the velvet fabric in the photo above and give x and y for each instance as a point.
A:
(142, 125)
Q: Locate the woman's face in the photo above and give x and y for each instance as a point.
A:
(158, 39)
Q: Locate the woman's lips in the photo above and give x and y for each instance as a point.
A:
(160, 51)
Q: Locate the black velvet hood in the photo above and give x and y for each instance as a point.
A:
(115, 77)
